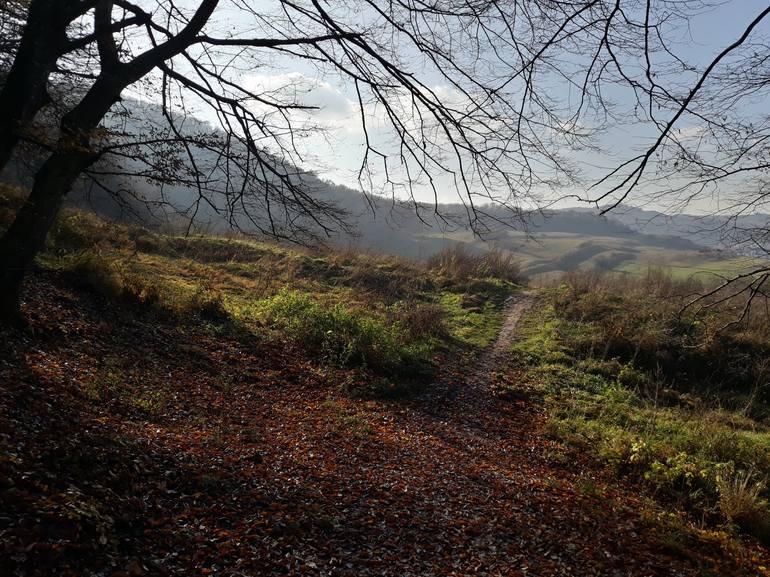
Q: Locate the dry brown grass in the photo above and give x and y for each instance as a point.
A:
(460, 264)
(741, 502)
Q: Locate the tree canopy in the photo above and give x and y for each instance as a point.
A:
(488, 98)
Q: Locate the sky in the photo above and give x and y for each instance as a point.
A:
(336, 152)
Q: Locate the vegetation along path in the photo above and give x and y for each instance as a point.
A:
(483, 496)
(274, 473)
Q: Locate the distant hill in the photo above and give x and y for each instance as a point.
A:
(714, 231)
(555, 240)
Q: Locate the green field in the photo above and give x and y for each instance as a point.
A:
(549, 254)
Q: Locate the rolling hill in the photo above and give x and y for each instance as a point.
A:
(629, 240)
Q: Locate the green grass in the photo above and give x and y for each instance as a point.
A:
(378, 321)
(684, 447)
(348, 337)
(689, 265)
(475, 327)
(556, 252)
(472, 319)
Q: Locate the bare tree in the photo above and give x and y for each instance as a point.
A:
(487, 97)
(492, 141)
(709, 132)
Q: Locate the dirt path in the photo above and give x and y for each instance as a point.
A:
(478, 494)
(516, 305)
(281, 474)
(467, 393)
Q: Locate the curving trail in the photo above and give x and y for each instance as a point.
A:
(516, 305)
(278, 474)
(467, 393)
(463, 483)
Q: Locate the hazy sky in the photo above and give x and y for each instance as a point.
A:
(336, 153)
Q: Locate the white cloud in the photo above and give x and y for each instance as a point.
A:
(688, 133)
(331, 139)
(333, 109)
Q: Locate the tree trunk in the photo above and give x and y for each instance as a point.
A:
(25, 92)
(26, 236)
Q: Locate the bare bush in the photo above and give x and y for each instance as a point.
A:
(583, 282)
(422, 320)
(454, 261)
(460, 263)
(502, 264)
(741, 502)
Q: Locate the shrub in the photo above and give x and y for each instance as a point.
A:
(677, 474)
(345, 337)
(580, 283)
(455, 262)
(740, 501)
(638, 323)
(458, 263)
(421, 320)
(112, 279)
(390, 278)
(503, 265)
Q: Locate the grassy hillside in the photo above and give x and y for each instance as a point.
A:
(550, 254)
(362, 313)
(678, 404)
(220, 406)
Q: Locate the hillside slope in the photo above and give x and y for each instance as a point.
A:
(217, 407)
(628, 240)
